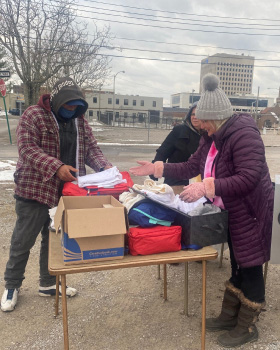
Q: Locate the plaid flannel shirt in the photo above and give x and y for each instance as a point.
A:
(39, 152)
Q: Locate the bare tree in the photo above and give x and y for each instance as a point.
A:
(46, 41)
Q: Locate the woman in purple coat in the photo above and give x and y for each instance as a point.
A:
(231, 161)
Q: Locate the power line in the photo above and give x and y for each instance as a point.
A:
(141, 50)
(190, 54)
(193, 45)
(168, 60)
(182, 29)
(176, 22)
(184, 13)
(136, 49)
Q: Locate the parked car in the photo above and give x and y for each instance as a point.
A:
(14, 111)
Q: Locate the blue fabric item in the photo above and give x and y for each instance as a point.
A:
(64, 113)
(75, 103)
(153, 220)
(149, 214)
(191, 246)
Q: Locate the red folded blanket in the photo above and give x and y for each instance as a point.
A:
(70, 189)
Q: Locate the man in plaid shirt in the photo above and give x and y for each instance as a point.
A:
(55, 143)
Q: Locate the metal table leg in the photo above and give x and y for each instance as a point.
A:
(186, 290)
(56, 303)
(64, 312)
(203, 328)
(164, 282)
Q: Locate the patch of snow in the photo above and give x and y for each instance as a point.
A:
(7, 169)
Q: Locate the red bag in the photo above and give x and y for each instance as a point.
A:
(153, 240)
(70, 189)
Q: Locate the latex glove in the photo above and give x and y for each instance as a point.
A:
(193, 192)
(145, 168)
(197, 190)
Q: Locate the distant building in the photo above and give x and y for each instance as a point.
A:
(184, 99)
(239, 103)
(269, 117)
(235, 72)
(129, 107)
(174, 114)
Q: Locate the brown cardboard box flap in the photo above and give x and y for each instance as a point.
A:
(95, 222)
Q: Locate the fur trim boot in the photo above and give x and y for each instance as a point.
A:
(230, 307)
(245, 330)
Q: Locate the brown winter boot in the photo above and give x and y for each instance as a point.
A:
(227, 319)
(245, 330)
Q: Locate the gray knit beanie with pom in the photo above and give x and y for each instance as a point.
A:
(213, 103)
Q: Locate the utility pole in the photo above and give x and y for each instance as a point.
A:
(192, 95)
(122, 71)
(257, 104)
(99, 116)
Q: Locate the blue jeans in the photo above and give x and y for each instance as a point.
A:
(32, 218)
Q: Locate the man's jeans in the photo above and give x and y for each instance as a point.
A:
(32, 218)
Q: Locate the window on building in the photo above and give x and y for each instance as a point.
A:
(90, 113)
(117, 101)
(154, 103)
(125, 102)
(117, 115)
(125, 114)
(94, 100)
(134, 102)
(142, 103)
(109, 101)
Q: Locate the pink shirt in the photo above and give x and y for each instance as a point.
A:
(209, 172)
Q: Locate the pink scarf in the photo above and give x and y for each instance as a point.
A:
(208, 173)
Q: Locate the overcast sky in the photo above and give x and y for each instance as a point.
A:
(186, 31)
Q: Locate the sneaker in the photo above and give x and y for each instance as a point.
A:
(9, 299)
(50, 291)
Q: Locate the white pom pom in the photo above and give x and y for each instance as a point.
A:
(210, 82)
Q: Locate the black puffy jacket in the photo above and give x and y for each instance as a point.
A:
(178, 146)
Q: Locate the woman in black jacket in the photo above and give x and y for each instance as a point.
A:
(180, 144)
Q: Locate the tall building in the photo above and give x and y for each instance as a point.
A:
(235, 72)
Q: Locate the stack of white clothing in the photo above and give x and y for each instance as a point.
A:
(128, 199)
(107, 178)
(52, 212)
(205, 209)
(162, 193)
(187, 207)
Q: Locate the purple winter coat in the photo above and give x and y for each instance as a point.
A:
(242, 180)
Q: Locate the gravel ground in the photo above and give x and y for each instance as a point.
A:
(124, 309)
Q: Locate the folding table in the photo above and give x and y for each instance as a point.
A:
(60, 270)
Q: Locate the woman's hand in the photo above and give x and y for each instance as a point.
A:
(145, 168)
(193, 192)
(197, 190)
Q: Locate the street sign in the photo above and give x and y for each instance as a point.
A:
(2, 88)
(5, 74)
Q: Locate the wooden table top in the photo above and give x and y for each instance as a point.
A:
(57, 266)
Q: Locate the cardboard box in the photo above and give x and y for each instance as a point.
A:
(93, 228)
